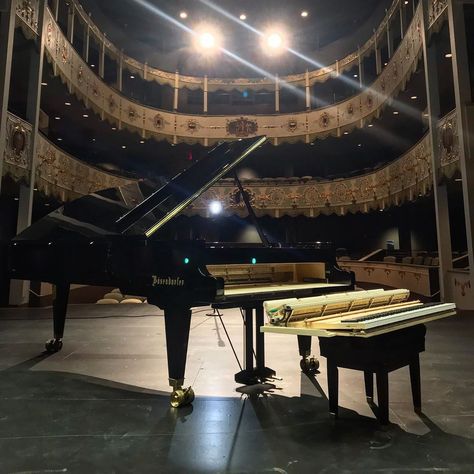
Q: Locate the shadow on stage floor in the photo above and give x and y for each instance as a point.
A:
(59, 422)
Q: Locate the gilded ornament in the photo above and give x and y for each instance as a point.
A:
(350, 108)
(242, 127)
(292, 124)
(158, 122)
(192, 125)
(132, 114)
(18, 140)
(324, 120)
(111, 103)
(370, 101)
(80, 74)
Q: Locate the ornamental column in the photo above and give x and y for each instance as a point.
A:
(176, 91)
(204, 107)
(19, 289)
(307, 90)
(389, 40)
(102, 58)
(361, 69)
(463, 64)
(277, 93)
(55, 9)
(7, 29)
(403, 19)
(440, 193)
(120, 71)
(378, 56)
(70, 23)
(86, 42)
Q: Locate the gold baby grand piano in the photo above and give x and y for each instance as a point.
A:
(376, 331)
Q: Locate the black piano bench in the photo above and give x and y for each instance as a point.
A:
(377, 355)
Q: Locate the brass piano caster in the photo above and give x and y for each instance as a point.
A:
(181, 397)
(53, 345)
(309, 365)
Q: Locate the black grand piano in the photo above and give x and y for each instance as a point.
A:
(112, 238)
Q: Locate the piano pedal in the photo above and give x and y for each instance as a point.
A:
(309, 365)
(181, 397)
(53, 345)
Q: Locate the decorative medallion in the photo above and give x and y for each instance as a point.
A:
(158, 122)
(132, 114)
(447, 136)
(18, 140)
(192, 125)
(65, 52)
(95, 89)
(350, 108)
(370, 101)
(80, 74)
(49, 156)
(111, 103)
(324, 120)
(382, 84)
(242, 127)
(236, 199)
(292, 124)
(49, 33)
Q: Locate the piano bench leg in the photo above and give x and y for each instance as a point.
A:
(61, 295)
(369, 384)
(382, 397)
(415, 381)
(333, 388)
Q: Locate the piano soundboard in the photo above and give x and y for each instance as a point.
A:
(361, 313)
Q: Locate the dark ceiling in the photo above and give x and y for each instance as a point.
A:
(331, 30)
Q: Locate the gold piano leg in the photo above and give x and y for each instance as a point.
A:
(180, 396)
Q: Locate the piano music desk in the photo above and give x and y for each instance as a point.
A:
(377, 355)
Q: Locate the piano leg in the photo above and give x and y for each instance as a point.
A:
(415, 380)
(369, 384)
(382, 396)
(60, 299)
(309, 365)
(177, 324)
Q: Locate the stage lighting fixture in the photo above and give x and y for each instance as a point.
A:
(304, 13)
(243, 16)
(215, 207)
(274, 42)
(183, 15)
(207, 39)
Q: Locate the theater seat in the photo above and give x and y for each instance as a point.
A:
(107, 301)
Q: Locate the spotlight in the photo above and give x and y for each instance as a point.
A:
(57, 118)
(448, 55)
(414, 97)
(183, 15)
(274, 41)
(304, 13)
(132, 77)
(44, 83)
(395, 112)
(85, 115)
(67, 103)
(243, 16)
(207, 39)
(215, 207)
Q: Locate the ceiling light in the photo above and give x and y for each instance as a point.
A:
(425, 115)
(124, 146)
(67, 103)
(85, 115)
(395, 112)
(359, 144)
(458, 180)
(132, 76)
(16, 199)
(59, 139)
(142, 141)
(207, 40)
(448, 55)
(370, 125)
(44, 83)
(385, 64)
(346, 133)
(114, 128)
(92, 65)
(356, 75)
(274, 41)
(215, 207)
(304, 13)
(414, 97)
(406, 2)
(243, 16)
(57, 118)
(183, 15)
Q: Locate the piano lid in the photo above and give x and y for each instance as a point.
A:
(138, 209)
(187, 186)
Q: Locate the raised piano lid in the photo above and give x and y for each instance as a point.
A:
(137, 209)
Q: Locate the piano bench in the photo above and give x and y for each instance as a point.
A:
(377, 355)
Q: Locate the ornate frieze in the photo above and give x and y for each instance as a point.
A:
(27, 12)
(213, 84)
(436, 8)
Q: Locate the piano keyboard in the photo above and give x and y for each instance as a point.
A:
(358, 317)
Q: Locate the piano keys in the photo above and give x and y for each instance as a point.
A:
(121, 238)
(359, 314)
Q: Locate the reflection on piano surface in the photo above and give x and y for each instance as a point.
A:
(118, 237)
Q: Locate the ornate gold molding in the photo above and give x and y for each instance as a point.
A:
(58, 174)
(405, 179)
(206, 129)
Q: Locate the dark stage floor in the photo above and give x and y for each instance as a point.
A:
(101, 405)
